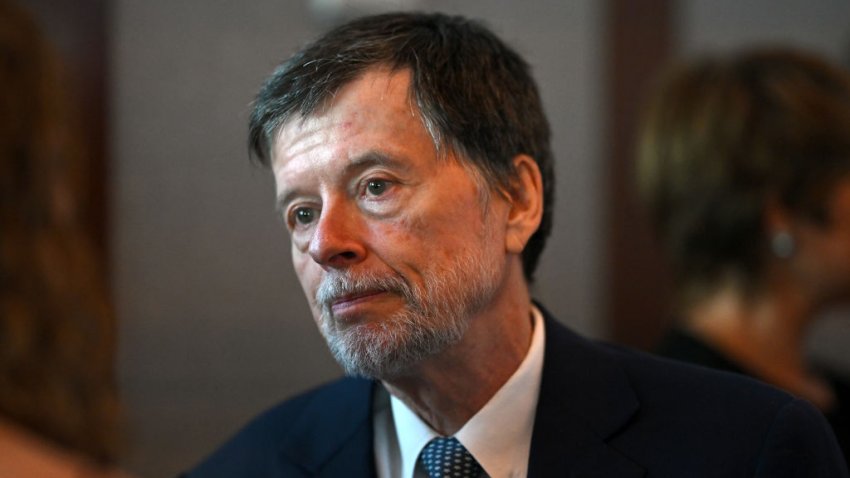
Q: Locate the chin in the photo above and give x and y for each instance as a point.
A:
(376, 351)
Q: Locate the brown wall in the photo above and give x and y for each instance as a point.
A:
(640, 39)
(78, 32)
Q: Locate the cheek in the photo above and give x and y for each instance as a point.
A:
(308, 273)
(434, 236)
(405, 245)
(841, 254)
(416, 231)
(407, 229)
(825, 259)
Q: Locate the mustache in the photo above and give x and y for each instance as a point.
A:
(338, 285)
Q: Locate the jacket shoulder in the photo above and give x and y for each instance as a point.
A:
(677, 419)
(256, 450)
(755, 426)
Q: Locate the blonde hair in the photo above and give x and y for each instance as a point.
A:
(724, 136)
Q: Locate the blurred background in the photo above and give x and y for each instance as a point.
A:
(213, 325)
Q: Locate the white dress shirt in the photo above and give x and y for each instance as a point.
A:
(498, 436)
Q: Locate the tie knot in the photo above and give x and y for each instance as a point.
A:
(445, 457)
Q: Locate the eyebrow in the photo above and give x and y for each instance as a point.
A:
(362, 162)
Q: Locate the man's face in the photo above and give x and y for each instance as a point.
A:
(396, 247)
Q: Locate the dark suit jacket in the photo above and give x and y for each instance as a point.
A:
(602, 412)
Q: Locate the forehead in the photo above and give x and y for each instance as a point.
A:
(373, 111)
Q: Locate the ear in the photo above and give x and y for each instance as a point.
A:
(526, 203)
(779, 228)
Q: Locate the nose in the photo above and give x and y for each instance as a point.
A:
(338, 239)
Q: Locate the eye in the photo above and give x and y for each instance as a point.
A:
(304, 215)
(376, 187)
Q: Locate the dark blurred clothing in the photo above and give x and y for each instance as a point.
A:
(681, 345)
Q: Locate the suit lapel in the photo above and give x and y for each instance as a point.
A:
(585, 398)
(334, 436)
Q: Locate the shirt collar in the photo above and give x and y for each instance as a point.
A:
(499, 435)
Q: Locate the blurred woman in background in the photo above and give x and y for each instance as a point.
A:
(744, 166)
(58, 406)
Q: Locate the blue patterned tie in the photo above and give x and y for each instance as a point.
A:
(445, 457)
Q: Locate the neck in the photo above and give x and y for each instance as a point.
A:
(449, 388)
(764, 333)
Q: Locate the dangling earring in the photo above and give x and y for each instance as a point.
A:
(783, 245)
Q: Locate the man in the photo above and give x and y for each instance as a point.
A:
(413, 170)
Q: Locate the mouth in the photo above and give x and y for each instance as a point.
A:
(350, 301)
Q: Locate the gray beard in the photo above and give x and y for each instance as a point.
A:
(436, 316)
